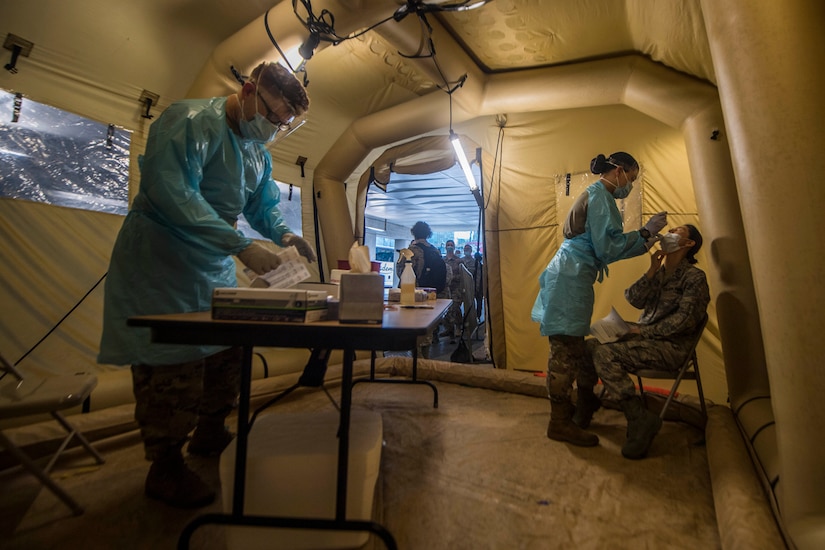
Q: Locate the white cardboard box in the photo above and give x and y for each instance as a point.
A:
(269, 304)
(292, 465)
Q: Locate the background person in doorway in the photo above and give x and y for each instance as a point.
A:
(453, 321)
(473, 264)
(430, 269)
(593, 238)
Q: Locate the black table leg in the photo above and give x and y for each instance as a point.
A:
(414, 379)
(343, 436)
(340, 523)
(243, 433)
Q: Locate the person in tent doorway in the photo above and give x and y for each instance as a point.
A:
(468, 260)
(453, 321)
(674, 297)
(205, 164)
(430, 269)
(593, 238)
(473, 264)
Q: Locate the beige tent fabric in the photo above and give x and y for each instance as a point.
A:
(52, 257)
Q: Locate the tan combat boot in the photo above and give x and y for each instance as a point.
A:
(642, 427)
(561, 427)
(172, 482)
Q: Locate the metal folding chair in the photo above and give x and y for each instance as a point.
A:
(25, 396)
(688, 371)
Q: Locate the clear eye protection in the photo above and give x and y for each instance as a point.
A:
(286, 129)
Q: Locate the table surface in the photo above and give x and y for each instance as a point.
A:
(398, 331)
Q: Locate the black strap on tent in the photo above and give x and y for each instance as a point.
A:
(74, 307)
(317, 236)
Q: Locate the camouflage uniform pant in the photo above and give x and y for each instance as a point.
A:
(169, 399)
(454, 318)
(568, 361)
(615, 360)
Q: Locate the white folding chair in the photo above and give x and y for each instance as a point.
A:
(25, 396)
(688, 371)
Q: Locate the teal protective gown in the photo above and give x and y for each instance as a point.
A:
(564, 304)
(176, 243)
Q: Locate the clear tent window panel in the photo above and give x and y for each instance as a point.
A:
(290, 207)
(55, 157)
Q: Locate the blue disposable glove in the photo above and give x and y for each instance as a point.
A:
(652, 240)
(656, 223)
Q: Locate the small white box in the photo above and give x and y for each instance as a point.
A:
(292, 471)
(335, 275)
(330, 288)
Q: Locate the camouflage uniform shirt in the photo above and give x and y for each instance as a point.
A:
(673, 306)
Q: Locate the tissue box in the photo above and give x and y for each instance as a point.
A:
(361, 298)
(269, 304)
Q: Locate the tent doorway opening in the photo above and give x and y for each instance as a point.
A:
(442, 199)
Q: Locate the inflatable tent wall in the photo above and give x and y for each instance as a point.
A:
(730, 142)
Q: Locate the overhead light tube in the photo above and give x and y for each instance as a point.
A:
(462, 160)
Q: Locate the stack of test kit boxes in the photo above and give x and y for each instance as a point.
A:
(290, 305)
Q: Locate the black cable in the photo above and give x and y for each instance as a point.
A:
(61, 320)
(275, 42)
(496, 155)
(324, 25)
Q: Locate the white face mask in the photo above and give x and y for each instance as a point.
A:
(621, 192)
(670, 242)
(259, 128)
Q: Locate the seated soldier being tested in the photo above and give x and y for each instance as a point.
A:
(674, 296)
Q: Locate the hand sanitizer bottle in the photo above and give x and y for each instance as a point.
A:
(408, 285)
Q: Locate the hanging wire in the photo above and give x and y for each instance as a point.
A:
(74, 307)
(323, 25)
(275, 42)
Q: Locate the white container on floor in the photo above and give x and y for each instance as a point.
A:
(291, 471)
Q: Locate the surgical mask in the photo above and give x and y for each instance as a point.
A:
(258, 129)
(450, 249)
(670, 242)
(623, 192)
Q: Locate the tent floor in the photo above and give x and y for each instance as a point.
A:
(477, 472)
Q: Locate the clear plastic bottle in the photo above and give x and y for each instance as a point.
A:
(408, 285)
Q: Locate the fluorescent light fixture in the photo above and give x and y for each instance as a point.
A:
(293, 59)
(474, 5)
(462, 160)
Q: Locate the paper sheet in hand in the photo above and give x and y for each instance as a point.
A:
(291, 271)
(609, 328)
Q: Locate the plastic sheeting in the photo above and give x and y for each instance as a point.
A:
(55, 157)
